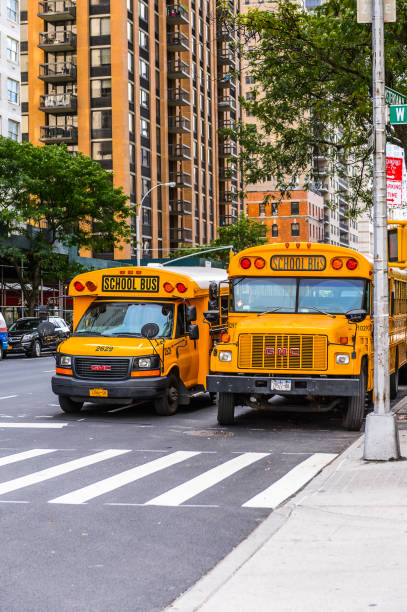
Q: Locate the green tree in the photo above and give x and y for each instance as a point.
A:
(51, 200)
(312, 93)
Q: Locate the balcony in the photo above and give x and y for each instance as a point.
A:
(226, 57)
(228, 220)
(344, 227)
(177, 124)
(228, 150)
(181, 179)
(226, 103)
(53, 42)
(178, 96)
(57, 10)
(178, 235)
(56, 135)
(179, 152)
(57, 72)
(177, 14)
(227, 197)
(227, 174)
(176, 41)
(177, 70)
(225, 34)
(227, 124)
(225, 81)
(180, 207)
(324, 188)
(58, 103)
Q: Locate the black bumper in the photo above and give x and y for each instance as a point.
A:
(252, 385)
(133, 388)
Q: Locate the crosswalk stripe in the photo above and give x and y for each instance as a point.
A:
(291, 482)
(9, 425)
(118, 480)
(58, 470)
(35, 452)
(178, 495)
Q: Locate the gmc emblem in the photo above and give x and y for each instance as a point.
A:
(282, 352)
(100, 368)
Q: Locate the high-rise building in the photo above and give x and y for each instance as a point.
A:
(141, 87)
(10, 109)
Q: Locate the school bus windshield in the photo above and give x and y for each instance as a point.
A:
(118, 319)
(298, 295)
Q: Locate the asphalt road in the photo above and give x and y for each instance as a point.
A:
(85, 524)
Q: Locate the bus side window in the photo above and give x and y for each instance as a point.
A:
(180, 327)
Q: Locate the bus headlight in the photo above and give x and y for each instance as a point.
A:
(146, 363)
(65, 361)
(225, 356)
(342, 358)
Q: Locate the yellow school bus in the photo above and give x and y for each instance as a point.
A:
(138, 333)
(300, 323)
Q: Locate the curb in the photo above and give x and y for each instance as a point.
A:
(199, 593)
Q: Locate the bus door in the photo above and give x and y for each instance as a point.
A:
(186, 350)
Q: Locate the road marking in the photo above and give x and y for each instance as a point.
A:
(47, 371)
(35, 452)
(178, 495)
(7, 396)
(58, 470)
(13, 501)
(33, 425)
(291, 482)
(83, 495)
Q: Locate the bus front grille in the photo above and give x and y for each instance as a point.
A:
(98, 368)
(283, 352)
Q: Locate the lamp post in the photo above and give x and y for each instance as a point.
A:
(139, 216)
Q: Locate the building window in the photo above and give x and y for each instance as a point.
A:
(12, 49)
(100, 57)
(295, 208)
(144, 128)
(101, 88)
(145, 157)
(102, 150)
(295, 229)
(12, 129)
(12, 10)
(249, 80)
(274, 208)
(144, 69)
(262, 210)
(144, 99)
(143, 39)
(100, 26)
(274, 230)
(12, 91)
(143, 11)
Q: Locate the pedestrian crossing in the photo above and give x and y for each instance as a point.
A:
(207, 482)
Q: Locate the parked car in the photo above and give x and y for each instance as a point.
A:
(23, 336)
(3, 337)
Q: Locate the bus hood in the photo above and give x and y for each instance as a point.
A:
(106, 347)
(295, 324)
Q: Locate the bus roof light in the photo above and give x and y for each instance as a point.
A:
(259, 263)
(168, 287)
(352, 264)
(308, 245)
(245, 263)
(130, 272)
(91, 286)
(122, 272)
(337, 263)
(287, 244)
(298, 245)
(181, 287)
(78, 286)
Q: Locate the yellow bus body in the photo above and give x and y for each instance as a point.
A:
(105, 368)
(303, 350)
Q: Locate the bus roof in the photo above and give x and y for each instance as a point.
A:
(202, 276)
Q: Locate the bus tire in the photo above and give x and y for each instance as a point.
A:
(68, 405)
(355, 406)
(394, 381)
(167, 404)
(226, 408)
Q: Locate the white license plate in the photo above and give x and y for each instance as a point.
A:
(280, 385)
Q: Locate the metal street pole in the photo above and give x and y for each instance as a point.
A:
(381, 437)
(139, 216)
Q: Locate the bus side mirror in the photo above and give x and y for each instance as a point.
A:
(150, 330)
(213, 302)
(212, 316)
(356, 316)
(190, 314)
(193, 332)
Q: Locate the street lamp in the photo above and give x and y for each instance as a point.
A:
(139, 216)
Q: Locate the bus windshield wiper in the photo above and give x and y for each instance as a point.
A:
(84, 332)
(321, 311)
(274, 310)
(126, 335)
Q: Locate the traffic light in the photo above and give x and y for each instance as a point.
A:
(397, 244)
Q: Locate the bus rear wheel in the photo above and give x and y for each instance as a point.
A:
(355, 406)
(226, 408)
(68, 405)
(167, 405)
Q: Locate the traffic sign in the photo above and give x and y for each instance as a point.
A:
(398, 114)
(393, 97)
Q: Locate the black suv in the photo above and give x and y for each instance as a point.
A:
(23, 336)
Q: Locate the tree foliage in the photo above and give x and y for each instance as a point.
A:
(50, 201)
(312, 93)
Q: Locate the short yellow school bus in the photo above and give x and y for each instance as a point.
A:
(139, 333)
(300, 323)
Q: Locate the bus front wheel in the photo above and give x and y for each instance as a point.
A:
(226, 408)
(355, 406)
(68, 405)
(168, 403)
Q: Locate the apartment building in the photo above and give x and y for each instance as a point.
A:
(142, 87)
(10, 108)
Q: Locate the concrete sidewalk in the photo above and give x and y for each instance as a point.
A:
(340, 545)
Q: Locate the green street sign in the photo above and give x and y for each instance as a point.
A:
(392, 97)
(398, 114)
